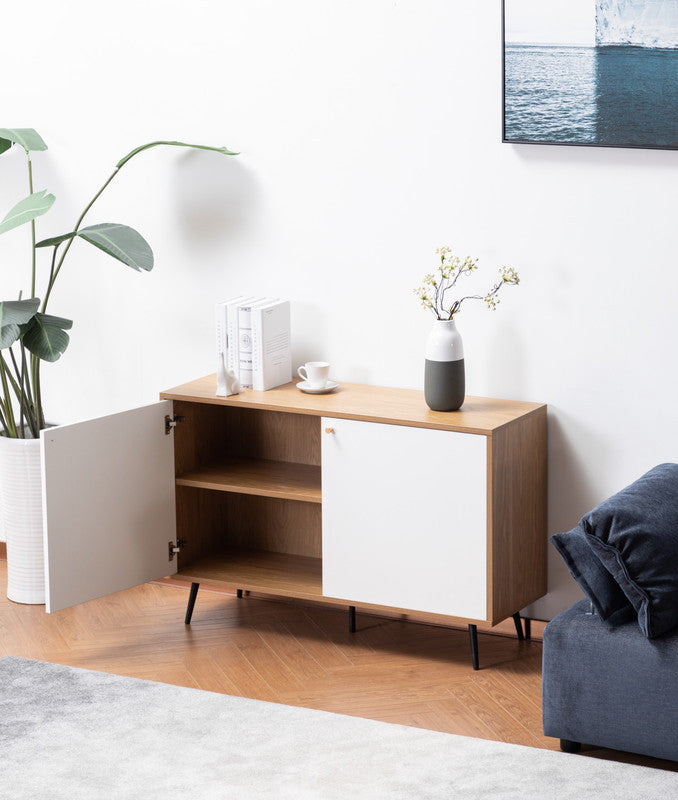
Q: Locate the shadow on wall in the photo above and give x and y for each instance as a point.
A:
(571, 493)
(505, 359)
(214, 198)
(317, 341)
(571, 479)
(310, 344)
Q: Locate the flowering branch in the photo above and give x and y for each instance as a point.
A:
(435, 286)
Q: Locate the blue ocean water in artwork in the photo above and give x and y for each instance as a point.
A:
(591, 95)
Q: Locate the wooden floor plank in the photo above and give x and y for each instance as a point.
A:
(207, 674)
(507, 696)
(505, 727)
(291, 652)
(247, 682)
(450, 715)
(316, 643)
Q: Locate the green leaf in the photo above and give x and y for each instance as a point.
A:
(54, 240)
(18, 312)
(29, 208)
(121, 242)
(26, 137)
(46, 336)
(14, 313)
(136, 150)
(8, 335)
(5, 144)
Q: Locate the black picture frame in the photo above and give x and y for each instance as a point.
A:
(623, 95)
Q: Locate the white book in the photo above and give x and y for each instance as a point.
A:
(224, 343)
(233, 356)
(271, 351)
(245, 338)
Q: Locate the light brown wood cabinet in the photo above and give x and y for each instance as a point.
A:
(362, 497)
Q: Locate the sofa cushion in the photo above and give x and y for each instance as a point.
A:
(635, 535)
(610, 603)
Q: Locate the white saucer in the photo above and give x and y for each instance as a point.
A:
(330, 386)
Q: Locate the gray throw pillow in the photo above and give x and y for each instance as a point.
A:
(635, 535)
(610, 603)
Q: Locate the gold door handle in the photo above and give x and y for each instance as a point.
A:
(329, 430)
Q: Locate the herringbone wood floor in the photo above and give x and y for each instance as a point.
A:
(388, 670)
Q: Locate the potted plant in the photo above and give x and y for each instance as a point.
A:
(30, 335)
(444, 373)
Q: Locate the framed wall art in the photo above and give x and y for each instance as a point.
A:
(591, 72)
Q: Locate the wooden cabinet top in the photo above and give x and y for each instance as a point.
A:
(480, 415)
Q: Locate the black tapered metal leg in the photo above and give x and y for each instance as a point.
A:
(473, 635)
(528, 627)
(351, 619)
(191, 602)
(519, 627)
(240, 593)
(568, 746)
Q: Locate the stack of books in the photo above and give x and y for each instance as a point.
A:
(253, 343)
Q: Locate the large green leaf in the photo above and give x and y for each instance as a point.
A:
(46, 337)
(14, 313)
(5, 144)
(121, 242)
(18, 312)
(136, 150)
(26, 137)
(29, 208)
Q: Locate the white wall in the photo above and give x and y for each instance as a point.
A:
(369, 133)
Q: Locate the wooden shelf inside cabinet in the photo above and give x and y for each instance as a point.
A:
(259, 571)
(281, 479)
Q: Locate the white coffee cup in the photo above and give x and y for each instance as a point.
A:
(315, 373)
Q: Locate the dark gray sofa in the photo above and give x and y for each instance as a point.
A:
(609, 685)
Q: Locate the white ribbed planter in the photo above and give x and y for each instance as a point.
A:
(21, 509)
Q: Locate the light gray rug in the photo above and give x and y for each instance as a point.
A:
(72, 733)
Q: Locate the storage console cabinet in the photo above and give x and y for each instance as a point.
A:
(362, 497)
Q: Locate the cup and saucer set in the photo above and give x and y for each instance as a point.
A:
(315, 378)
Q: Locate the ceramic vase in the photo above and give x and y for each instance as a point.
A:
(21, 510)
(444, 379)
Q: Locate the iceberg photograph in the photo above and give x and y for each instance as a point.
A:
(591, 72)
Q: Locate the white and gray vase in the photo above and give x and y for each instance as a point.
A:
(444, 379)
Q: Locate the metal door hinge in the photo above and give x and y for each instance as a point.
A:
(171, 422)
(175, 548)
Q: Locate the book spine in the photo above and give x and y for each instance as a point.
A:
(245, 345)
(258, 378)
(233, 360)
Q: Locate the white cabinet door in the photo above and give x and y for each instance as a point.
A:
(404, 516)
(108, 504)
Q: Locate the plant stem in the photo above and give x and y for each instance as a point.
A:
(55, 272)
(35, 362)
(22, 399)
(37, 393)
(22, 389)
(8, 421)
(30, 186)
(27, 408)
(2, 421)
(14, 385)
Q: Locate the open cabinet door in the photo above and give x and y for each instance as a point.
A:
(108, 504)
